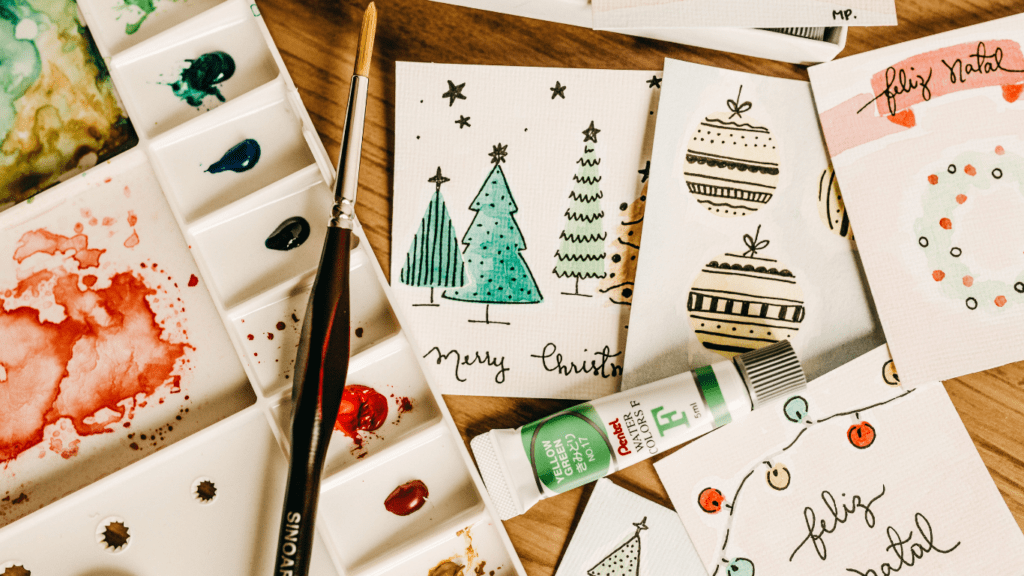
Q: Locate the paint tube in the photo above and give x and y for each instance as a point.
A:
(591, 440)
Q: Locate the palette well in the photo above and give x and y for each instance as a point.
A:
(171, 283)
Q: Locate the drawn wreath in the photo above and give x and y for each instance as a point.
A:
(966, 179)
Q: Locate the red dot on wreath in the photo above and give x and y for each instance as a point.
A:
(1000, 151)
(933, 179)
(960, 198)
(710, 500)
(1000, 301)
(946, 224)
(861, 435)
(938, 275)
(968, 281)
(970, 170)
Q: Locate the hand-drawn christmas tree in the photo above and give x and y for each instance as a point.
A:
(581, 254)
(618, 285)
(434, 259)
(498, 274)
(624, 560)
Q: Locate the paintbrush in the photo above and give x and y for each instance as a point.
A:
(321, 364)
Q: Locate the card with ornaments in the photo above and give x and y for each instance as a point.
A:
(927, 140)
(856, 475)
(746, 238)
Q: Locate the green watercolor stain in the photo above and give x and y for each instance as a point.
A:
(200, 78)
(20, 64)
(147, 8)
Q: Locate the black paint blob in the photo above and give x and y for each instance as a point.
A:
(241, 157)
(289, 234)
(201, 77)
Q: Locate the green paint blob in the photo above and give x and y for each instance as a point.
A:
(201, 77)
(147, 8)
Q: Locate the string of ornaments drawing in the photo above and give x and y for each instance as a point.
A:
(618, 284)
(973, 181)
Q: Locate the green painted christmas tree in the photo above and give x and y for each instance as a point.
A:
(434, 259)
(624, 560)
(581, 254)
(498, 274)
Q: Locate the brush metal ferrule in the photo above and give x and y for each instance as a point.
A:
(347, 184)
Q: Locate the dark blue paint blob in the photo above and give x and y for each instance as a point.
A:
(241, 157)
(201, 77)
(289, 234)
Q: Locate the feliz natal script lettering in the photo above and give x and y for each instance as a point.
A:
(900, 86)
(906, 550)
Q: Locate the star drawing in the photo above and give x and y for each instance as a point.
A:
(463, 122)
(654, 82)
(498, 154)
(558, 90)
(438, 179)
(645, 172)
(454, 92)
(590, 134)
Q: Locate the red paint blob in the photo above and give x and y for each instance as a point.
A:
(938, 275)
(132, 240)
(45, 242)
(1000, 301)
(960, 198)
(970, 170)
(404, 404)
(711, 500)
(407, 498)
(946, 224)
(861, 435)
(1000, 151)
(968, 281)
(280, 325)
(933, 179)
(108, 221)
(193, 281)
(270, 335)
(132, 218)
(362, 408)
(251, 337)
(79, 228)
(89, 280)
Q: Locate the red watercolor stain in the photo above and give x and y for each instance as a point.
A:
(933, 179)
(938, 275)
(961, 198)
(109, 221)
(270, 336)
(106, 353)
(44, 242)
(89, 280)
(79, 228)
(1012, 91)
(93, 221)
(404, 404)
(132, 218)
(280, 325)
(407, 498)
(251, 337)
(193, 281)
(362, 408)
(970, 170)
(1000, 301)
(132, 240)
(946, 224)
(904, 118)
(107, 180)
(127, 192)
(968, 281)
(1000, 151)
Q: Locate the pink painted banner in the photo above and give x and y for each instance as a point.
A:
(948, 70)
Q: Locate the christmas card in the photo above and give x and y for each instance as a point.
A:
(519, 204)
(746, 238)
(623, 534)
(742, 13)
(927, 139)
(856, 475)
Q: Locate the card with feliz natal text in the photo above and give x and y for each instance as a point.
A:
(926, 140)
(746, 238)
(857, 475)
(519, 201)
(742, 13)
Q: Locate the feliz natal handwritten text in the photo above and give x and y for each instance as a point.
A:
(906, 549)
(964, 67)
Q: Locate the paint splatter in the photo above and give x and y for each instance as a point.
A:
(146, 6)
(447, 568)
(200, 78)
(407, 498)
(77, 361)
(289, 234)
(193, 281)
(132, 241)
(241, 157)
(359, 332)
(362, 409)
(280, 326)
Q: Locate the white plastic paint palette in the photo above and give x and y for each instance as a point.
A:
(187, 472)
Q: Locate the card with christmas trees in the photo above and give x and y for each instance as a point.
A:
(746, 238)
(518, 208)
(624, 534)
(856, 475)
(927, 139)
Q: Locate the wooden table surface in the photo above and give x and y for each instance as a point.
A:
(317, 39)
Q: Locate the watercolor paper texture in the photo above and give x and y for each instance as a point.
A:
(624, 534)
(927, 139)
(857, 475)
(742, 13)
(745, 240)
(518, 214)
(58, 109)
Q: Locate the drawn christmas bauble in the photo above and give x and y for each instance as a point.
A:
(778, 477)
(861, 435)
(889, 374)
(740, 567)
(831, 207)
(711, 500)
(732, 164)
(795, 409)
(742, 303)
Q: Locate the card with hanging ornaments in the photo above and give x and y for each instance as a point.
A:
(855, 475)
(927, 138)
(746, 238)
(519, 205)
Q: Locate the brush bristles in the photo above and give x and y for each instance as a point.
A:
(366, 41)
